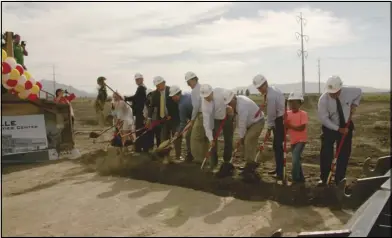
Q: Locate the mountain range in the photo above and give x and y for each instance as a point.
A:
(310, 87)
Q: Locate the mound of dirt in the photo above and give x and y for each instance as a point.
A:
(148, 167)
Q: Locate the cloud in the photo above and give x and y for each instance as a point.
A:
(86, 40)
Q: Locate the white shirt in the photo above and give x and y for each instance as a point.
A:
(216, 109)
(196, 101)
(123, 111)
(327, 109)
(246, 110)
(275, 105)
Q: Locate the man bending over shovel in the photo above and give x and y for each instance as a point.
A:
(250, 124)
(335, 108)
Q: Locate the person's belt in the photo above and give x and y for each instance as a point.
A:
(260, 120)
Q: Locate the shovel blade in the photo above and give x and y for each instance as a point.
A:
(94, 135)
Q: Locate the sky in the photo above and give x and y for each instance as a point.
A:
(225, 43)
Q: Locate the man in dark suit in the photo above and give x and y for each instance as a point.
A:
(163, 107)
(138, 102)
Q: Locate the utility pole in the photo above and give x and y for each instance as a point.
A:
(303, 53)
(54, 80)
(319, 76)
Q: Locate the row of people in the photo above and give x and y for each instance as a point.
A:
(212, 111)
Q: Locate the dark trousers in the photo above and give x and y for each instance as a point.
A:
(328, 139)
(140, 143)
(277, 145)
(228, 132)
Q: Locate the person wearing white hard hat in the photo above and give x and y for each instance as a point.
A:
(250, 123)
(138, 101)
(151, 134)
(275, 112)
(198, 133)
(214, 112)
(185, 108)
(335, 108)
(165, 108)
(296, 123)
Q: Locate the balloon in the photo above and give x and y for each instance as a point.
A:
(39, 85)
(33, 97)
(3, 55)
(28, 85)
(14, 74)
(34, 89)
(27, 74)
(19, 88)
(5, 76)
(32, 80)
(4, 82)
(24, 94)
(11, 61)
(12, 83)
(5, 68)
(20, 69)
(22, 80)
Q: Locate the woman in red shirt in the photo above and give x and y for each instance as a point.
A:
(60, 98)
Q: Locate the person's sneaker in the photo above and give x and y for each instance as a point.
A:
(180, 158)
(321, 184)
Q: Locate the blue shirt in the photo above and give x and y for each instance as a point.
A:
(185, 107)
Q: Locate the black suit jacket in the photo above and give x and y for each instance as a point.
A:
(171, 106)
(138, 100)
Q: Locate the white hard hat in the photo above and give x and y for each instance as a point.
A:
(205, 90)
(295, 96)
(259, 80)
(334, 84)
(228, 95)
(190, 75)
(148, 91)
(174, 90)
(158, 80)
(138, 76)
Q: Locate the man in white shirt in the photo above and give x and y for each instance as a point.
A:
(275, 112)
(214, 120)
(250, 122)
(198, 143)
(334, 109)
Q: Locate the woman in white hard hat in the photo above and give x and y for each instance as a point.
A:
(296, 123)
(165, 108)
(335, 109)
(214, 112)
(275, 111)
(138, 102)
(250, 124)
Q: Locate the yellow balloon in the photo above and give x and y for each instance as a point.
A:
(14, 74)
(23, 95)
(34, 89)
(19, 88)
(3, 55)
(27, 75)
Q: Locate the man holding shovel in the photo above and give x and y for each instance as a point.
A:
(166, 109)
(250, 124)
(185, 108)
(275, 112)
(215, 117)
(100, 101)
(335, 108)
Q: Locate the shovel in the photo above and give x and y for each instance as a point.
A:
(95, 135)
(216, 137)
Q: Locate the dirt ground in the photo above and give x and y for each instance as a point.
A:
(178, 199)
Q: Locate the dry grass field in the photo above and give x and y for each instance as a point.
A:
(68, 197)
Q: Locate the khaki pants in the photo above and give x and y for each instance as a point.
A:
(199, 141)
(100, 115)
(251, 140)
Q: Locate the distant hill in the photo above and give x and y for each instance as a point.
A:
(47, 85)
(310, 87)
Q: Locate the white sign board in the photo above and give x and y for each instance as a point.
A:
(21, 134)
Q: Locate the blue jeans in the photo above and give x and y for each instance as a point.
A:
(296, 152)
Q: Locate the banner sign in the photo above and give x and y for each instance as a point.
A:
(22, 134)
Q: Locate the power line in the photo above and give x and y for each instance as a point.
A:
(302, 53)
